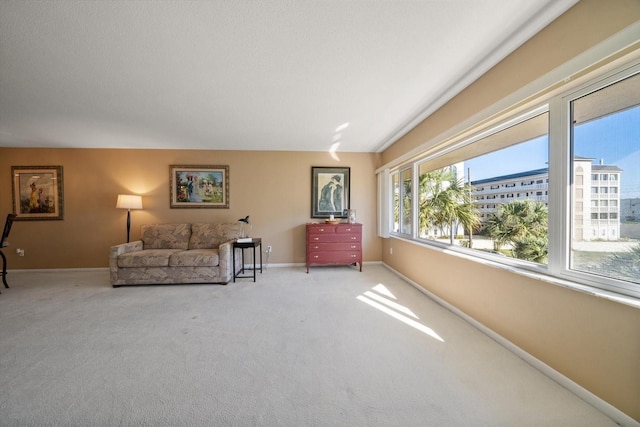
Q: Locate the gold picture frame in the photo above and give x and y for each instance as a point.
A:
(37, 193)
(197, 186)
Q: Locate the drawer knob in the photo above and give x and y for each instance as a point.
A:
(315, 247)
(353, 255)
(353, 237)
(320, 229)
(316, 238)
(315, 256)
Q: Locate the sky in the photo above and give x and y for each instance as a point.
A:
(614, 138)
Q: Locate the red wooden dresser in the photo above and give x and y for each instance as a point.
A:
(334, 244)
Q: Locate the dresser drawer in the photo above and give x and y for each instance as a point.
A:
(331, 257)
(333, 238)
(321, 229)
(349, 228)
(314, 247)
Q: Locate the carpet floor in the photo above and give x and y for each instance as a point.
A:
(335, 347)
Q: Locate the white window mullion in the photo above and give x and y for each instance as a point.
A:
(385, 203)
(415, 179)
(559, 186)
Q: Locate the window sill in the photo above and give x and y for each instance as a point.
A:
(536, 275)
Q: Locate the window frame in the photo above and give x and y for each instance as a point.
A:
(560, 183)
(563, 106)
(401, 228)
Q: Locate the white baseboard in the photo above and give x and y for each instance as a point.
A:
(606, 408)
(57, 270)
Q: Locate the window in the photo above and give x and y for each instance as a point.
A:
(605, 128)
(567, 225)
(402, 196)
(448, 212)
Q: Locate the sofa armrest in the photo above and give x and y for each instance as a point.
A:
(124, 248)
(225, 253)
(115, 252)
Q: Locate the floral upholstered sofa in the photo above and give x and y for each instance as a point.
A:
(176, 253)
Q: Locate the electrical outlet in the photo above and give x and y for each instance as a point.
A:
(391, 251)
(20, 252)
(269, 248)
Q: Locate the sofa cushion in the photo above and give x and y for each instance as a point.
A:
(210, 236)
(146, 258)
(195, 258)
(166, 236)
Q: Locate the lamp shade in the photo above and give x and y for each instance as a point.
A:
(129, 201)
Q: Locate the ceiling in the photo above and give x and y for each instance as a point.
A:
(245, 75)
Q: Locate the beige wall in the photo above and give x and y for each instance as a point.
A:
(273, 187)
(593, 341)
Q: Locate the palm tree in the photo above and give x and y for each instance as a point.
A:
(445, 201)
(406, 205)
(403, 205)
(534, 249)
(523, 224)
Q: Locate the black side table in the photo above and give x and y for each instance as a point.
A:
(254, 243)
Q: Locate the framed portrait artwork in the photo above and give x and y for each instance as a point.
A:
(37, 192)
(330, 191)
(194, 186)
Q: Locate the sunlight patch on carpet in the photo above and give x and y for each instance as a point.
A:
(397, 311)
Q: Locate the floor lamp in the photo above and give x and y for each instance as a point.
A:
(128, 202)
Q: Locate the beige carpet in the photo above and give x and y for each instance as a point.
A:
(331, 348)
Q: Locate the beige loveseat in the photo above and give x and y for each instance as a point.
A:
(176, 253)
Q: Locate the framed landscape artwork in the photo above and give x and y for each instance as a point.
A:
(330, 191)
(199, 186)
(37, 192)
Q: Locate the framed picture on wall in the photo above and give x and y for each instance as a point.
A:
(195, 186)
(37, 192)
(330, 191)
